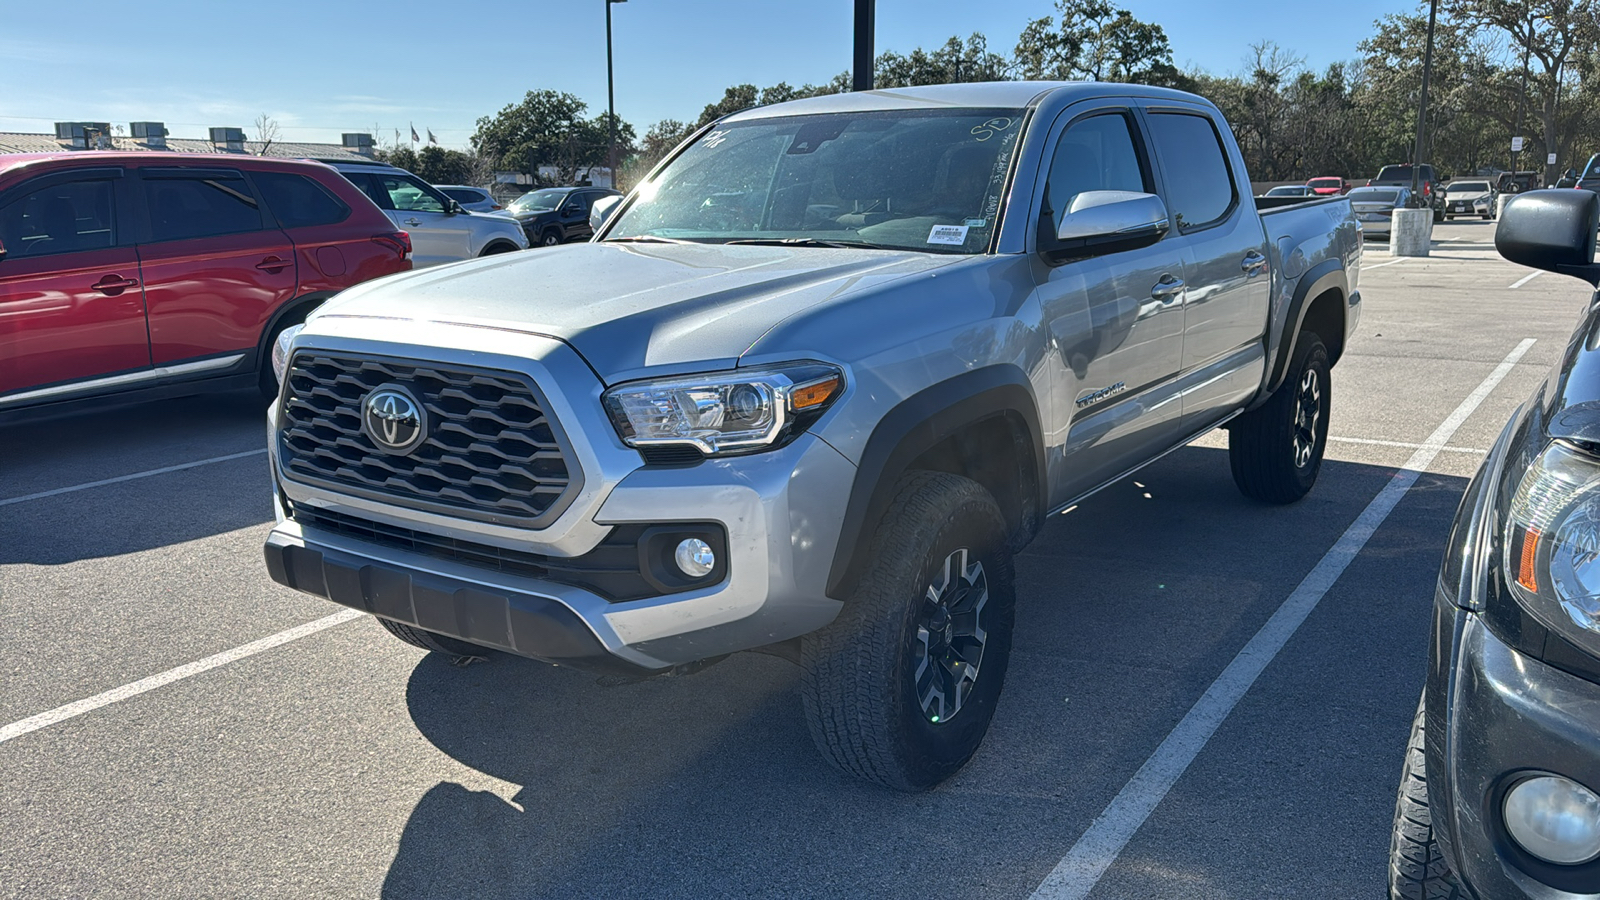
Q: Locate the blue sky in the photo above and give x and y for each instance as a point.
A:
(326, 67)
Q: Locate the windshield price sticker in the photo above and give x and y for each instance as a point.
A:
(948, 234)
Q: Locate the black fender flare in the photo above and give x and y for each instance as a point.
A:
(299, 307)
(1321, 278)
(917, 424)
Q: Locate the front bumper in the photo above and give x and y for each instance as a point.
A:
(1495, 713)
(780, 511)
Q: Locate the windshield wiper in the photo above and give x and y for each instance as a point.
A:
(810, 242)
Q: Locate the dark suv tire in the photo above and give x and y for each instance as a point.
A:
(901, 687)
(1417, 868)
(1276, 450)
(550, 237)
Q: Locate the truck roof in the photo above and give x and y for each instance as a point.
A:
(982, 95)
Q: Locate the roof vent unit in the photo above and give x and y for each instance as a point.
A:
(84, 135)
(152, 134)
(229, 140)
(358, 142)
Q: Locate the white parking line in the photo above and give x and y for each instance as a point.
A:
(143, 685)
(120, 478)
(1527, 278)
(1389, 263)
(1081, 869)
(1406, 444)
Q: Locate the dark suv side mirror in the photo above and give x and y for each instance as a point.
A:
(1552, 230)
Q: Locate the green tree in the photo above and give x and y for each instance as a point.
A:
(548, 128)
(956, 61)
(1094, 40)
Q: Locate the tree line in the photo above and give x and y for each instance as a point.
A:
(1499, 68)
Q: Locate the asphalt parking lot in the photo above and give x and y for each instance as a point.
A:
(334, 761)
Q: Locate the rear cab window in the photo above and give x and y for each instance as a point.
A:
(193, 203)
(1199, 181)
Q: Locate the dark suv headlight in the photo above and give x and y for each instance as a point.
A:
(1551, 543)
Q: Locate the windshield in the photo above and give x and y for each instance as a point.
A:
(1294, 191)
(1371, 195)
(1324, 183)
(538, 200)
(1398, 173)
(914, 180)
(1469, 187)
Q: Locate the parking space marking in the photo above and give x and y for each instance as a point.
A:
(1406, 444)
(1084, 865)
(144, 685)
(135, 476)
(1527, 278)
(1389, 263)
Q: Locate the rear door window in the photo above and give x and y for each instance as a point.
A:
(1199, 183)
(298, 201)
(65, 217)
(191, 203)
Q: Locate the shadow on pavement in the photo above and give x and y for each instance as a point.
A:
(708, 785)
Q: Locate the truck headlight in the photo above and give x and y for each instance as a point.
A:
(280, 350)
(742, 411)
(1552, 544)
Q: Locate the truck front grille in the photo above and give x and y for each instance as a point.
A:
(490, 450)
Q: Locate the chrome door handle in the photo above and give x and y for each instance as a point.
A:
(413, 221)
(1167, 290)
(1254, 262)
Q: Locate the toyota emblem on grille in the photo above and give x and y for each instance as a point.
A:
(394, 420)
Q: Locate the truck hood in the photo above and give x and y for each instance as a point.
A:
(636, 309)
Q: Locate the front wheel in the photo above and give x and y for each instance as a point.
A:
(550, 238)
(901, 687)
(1417, 868)
(1275, 450)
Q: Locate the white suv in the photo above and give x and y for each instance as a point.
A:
(441, 230)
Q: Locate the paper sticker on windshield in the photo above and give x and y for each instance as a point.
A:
(948, 234)
(976, 223)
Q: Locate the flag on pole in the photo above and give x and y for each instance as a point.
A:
(397, 135)
(414, 137)
(431, 139)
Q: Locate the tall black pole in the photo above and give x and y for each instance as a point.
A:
(611, 106)
(861, 71)
(1422, 107)
(1522, 98)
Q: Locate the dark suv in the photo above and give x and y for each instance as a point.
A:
(1428, 184)
(1500, 792)
(553, 216)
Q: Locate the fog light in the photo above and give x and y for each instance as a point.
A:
(695, 558)
(1555, 819)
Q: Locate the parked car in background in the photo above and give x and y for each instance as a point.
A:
(1290, 190)
(1428, 185)
(1471, 197)
(441, 230)
(1374, 207)
(1328, 185)
(1517, 182)
(1590, 179)
(1499, 795)
(1568, 179)
(148, 274)
(551, 216)
(472, 199)
(810, 389)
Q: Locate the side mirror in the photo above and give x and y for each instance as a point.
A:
(1552, 230)
(453, 208)
(602, 210)
(1109, 221)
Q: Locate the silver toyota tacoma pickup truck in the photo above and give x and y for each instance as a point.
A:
(808, 390)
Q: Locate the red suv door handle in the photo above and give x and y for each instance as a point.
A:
(112, 285)
(273, 264)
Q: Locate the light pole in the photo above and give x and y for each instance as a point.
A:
(1522, 98)
(1422, 107)
(861, 71)
(611, 102)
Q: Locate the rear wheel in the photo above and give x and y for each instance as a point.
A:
(1276, 450)
(901, 687)
(427, 640)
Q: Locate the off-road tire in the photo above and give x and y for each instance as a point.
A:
(1265, 444)
(427, 640)
(550, 237)
(860, 682)
(1417, 868)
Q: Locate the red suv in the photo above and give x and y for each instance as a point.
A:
(160, 273)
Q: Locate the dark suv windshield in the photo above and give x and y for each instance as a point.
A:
(915, 180)
(538, 200)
